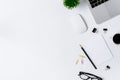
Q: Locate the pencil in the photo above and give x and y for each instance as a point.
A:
(88, 57)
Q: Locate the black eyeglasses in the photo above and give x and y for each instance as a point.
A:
(88, 76)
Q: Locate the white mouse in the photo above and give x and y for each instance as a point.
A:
(79, 24)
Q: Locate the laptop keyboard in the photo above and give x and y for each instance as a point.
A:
(95, 3)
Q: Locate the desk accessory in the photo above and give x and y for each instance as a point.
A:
(70, 4)
(79, 24)
(94, 30)
(97, 48)
(104, 10)
(107, 67)
(116, 38)
(81, 59)
(88, 76)
(82, 56)
(88, 57)
(105, 29)
(77, 61)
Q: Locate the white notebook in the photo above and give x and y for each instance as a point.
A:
(97, 49)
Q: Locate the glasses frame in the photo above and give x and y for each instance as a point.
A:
(89, 76)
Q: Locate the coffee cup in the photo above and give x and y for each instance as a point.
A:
(116, 38)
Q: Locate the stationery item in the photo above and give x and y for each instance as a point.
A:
(81, 56)
(105, 29)
(97, 48)
(94, 30)
(88, 76)
(88, 57)
(77, 61)
(81, 59)
(107, 67)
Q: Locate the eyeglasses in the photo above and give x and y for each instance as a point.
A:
(88, 76)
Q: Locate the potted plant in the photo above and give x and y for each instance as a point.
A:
(70, 4)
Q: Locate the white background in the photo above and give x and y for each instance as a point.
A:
(36, 40)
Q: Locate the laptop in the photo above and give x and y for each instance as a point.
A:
(103, 10)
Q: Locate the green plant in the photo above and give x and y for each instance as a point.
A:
(70, 4)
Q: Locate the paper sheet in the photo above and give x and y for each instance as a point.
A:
(97, 49)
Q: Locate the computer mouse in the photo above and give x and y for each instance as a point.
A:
(79, 24)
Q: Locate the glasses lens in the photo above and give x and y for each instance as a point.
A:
(88, 76)
(84, 77)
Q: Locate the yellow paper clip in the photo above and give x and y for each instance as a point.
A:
(81, 56)
(77, 61)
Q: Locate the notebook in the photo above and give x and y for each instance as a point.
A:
(97, 49)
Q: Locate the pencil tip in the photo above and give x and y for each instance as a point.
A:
(80, 45)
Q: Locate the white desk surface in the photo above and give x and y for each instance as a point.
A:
(113, 27)
(37, 41)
